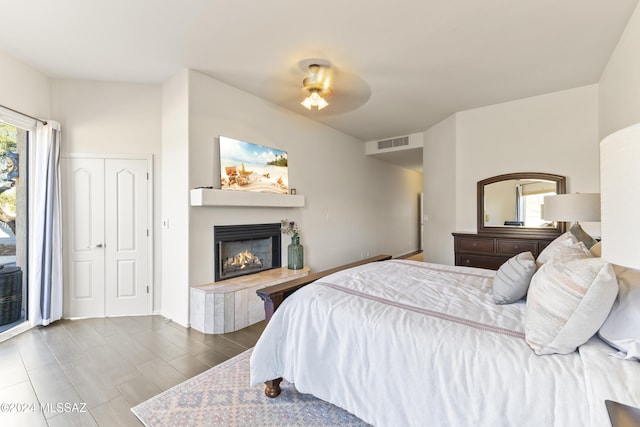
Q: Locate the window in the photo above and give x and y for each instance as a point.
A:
(532, 206)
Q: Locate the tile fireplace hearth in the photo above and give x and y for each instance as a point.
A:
(230, 305)
(247, 257)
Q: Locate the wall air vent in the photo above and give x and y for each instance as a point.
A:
(393, 142)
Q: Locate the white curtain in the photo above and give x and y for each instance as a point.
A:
(45, 297)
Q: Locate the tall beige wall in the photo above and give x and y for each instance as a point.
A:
(439, 171)
(555, 133)
(355, 205)
(620, 82)
(105, 118)
(175, 198)
(23, 88)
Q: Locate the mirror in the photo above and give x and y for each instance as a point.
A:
(513, 203)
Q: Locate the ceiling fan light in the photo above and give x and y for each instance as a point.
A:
(307, 102)
(316, 84)
(322, 103)
(314, 100)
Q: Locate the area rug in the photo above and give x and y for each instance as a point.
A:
(222, 396)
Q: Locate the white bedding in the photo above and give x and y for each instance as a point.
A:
(404, 343)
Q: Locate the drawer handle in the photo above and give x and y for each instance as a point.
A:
(475, 244)
(516, 247)
(468, 261)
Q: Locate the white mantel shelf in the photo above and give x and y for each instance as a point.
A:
(215, 197)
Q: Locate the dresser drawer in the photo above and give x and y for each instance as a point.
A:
(475, 245)
(543, 244)
(490, 262)
(491, 251)
(514, 247)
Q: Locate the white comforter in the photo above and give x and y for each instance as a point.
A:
(403, 343)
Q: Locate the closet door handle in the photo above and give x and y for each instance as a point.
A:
(99, 245)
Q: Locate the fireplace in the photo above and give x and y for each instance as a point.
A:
(245, 249)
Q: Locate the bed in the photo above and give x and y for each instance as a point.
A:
(407, 343)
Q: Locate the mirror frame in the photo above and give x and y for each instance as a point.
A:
(561, 188)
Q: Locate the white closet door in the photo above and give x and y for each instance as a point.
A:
(84, 228)
(126, 232)
(107, 243)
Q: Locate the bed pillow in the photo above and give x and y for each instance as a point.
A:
(565, 240)
(621, 330)
(513, 277)
(564, 248)
(565, 254)
(567, 303)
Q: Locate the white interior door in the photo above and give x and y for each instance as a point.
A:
(84, 232)
(126, 237)
(106, 229)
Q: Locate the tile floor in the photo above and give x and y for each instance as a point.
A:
(91, 372)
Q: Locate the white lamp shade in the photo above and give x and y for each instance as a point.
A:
(572, 207)
(620, 189)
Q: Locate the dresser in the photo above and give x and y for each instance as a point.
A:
(486, 250)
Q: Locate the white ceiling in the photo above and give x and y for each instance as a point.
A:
(401, 66)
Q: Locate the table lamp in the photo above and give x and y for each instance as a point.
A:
(574, 208)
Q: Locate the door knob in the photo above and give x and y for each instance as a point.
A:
(99, 245)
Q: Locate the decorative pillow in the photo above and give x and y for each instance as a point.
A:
(582, 235)
(566, 247)
(596, 250)
(513, 278)
(567, 303)
(622, 328)
(565, 240)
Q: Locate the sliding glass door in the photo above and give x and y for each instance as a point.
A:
(14, 225)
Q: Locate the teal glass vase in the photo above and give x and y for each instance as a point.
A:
(295, 253)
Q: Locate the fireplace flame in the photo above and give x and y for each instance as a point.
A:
(241, 261)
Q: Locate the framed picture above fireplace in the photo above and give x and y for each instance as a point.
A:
(245, 166)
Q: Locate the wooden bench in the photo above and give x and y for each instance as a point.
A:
(274, 295)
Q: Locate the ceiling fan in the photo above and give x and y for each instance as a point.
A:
(317, 86)
(317, 78)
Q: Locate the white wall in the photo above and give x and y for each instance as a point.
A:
(23, 88)
(439, 170)
(103, 117)
(354, 204)
(620, 82)
(113, 118)
(554, 133)
(175, 198)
